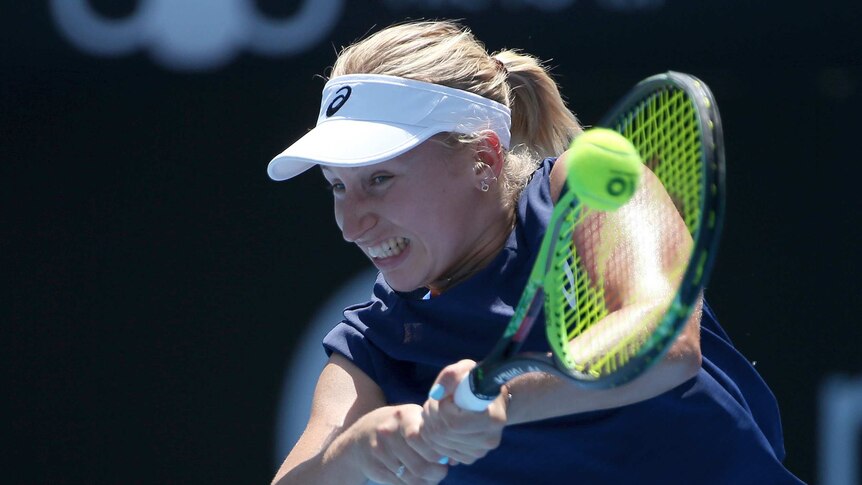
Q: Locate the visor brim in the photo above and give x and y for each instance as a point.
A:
(348, 143)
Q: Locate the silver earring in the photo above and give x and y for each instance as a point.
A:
(484, 187)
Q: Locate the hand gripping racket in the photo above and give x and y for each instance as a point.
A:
(673, 122)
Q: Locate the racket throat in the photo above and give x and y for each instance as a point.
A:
(486, 379)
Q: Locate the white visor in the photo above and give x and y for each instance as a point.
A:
(367, 118)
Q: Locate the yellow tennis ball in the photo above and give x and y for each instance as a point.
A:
(604, 168)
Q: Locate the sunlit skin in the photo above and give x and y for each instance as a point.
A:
(429, 195)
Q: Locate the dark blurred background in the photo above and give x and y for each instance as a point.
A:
(156, 281)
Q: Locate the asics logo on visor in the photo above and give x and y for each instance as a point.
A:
(338, 101)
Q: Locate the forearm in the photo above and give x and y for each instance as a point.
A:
(326, 453)
(537, 396)
(332, 464)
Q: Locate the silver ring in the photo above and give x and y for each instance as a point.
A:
(400, 472)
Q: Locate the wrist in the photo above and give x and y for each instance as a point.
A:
(344, 452)
(506, 401)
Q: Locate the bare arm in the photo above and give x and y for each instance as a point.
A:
(352, 436)
(343, 394)
(538, 396)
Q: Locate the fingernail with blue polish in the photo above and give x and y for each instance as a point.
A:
(443, 460)
(436, 392)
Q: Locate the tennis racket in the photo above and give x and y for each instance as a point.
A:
(673, 122)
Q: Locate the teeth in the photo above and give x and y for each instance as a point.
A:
(389, 248)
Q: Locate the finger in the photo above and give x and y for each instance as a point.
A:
(453, 419)
(416, 468)
(401, 476)
(462, 455)
(474, 446)
(392, 462)
(414, 436)
(381, 474)
(463, 448)
(443, 417)
(389, 463)
(448, 379)
(411, 449)
(423, 448)
(468, 440)
(444, 439)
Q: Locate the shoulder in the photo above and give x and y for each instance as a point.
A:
(533, 210)
(558, 176)
(341, 375)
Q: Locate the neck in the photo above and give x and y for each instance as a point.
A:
(488, 246)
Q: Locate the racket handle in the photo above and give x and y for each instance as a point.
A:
(465, 399)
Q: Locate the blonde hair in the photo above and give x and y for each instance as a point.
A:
(446, 53)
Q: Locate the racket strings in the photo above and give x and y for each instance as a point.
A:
(586, 299)
(601, 338)
(665, 129)
(577, 299)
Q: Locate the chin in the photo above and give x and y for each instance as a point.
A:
(401, 286)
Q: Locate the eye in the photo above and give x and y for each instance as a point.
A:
(335, 188)
(380, 179)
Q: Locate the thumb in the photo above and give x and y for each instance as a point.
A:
(449, 378)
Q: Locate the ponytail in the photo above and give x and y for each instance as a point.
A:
(540, 119)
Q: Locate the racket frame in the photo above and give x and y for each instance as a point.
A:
(504, 362)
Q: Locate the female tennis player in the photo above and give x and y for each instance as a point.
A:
(440, 157)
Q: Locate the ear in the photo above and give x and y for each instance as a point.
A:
(490, 152)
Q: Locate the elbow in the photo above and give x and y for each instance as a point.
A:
(678, 368)
(693, 356)
(688, 362)
(684, 358)
(685, 354)
(691, 365)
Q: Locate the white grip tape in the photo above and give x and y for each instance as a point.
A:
(465, 399)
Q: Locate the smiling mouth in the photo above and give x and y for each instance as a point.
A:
(388, 248)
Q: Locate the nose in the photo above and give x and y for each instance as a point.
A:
(355, 216)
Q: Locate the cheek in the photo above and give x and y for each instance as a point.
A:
(456, 206)
(445, 222)
(338, 213)
(437, 211)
